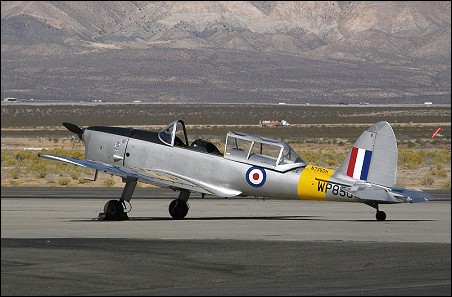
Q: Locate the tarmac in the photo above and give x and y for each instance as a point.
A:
(52, 244)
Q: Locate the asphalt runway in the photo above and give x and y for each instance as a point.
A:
(54, 246)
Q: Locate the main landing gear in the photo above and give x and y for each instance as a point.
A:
(380, 215)
(114, 209)
(178, 208)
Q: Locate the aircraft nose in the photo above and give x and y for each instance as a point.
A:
(82, 136)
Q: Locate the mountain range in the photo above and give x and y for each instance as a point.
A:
(233, 51)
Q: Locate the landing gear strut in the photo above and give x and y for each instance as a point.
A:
(114, 209)
(178, 208)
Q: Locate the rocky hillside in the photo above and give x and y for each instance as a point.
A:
(237, 51)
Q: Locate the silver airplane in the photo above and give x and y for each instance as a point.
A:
(250, 166)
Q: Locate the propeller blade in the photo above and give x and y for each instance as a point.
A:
(73, 128)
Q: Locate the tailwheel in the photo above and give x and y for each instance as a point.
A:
(178, 209)
(114, 211)
(381, 215)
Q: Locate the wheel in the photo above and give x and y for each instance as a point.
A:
(381, 215)
(178, 209)
(113, 210)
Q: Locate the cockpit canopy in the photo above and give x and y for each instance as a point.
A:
(174, 134)
(242, 147)
(261, 151)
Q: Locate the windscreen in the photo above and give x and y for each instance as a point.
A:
(289, 156)
(237, 147)
(264, 152)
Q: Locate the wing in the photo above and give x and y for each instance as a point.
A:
(157, 177)
(369, 193)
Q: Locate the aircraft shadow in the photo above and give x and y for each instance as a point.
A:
(263, 218)
(271, 218)
(268, 218)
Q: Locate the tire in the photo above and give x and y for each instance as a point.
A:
(113, 210)
(178, 209)
(381, 216)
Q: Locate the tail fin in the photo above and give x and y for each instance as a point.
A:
(373, 157)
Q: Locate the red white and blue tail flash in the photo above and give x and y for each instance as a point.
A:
(359, 164)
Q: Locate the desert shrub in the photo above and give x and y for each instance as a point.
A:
(64, 181)
(446, 185)
(82, 180)
(331, 162)
(428, 180)
(15, 172)
(74, 173)
(77, 154)
(109, 183)
(411, 144)
(438, 171)
(50, 178)
(40, 172)
(24, 155)
(310, 157)
(323, 158)
(409, 158)
(8, 158)
(442, 157)
(74, 154)
(38, 167)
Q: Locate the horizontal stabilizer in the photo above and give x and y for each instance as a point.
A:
(377, 194)
(414, 196)
(373, 194)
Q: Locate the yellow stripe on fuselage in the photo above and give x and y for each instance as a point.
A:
(310, 184)
(162, 177)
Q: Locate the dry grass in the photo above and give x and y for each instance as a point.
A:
(322, 135)
(419, 166)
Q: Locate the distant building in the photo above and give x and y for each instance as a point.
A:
(273, 123)
(10, 99)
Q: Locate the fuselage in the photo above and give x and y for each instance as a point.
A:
(143, 149)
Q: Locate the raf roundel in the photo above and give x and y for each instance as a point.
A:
(256, 177)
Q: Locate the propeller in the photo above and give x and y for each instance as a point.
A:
(74, 129)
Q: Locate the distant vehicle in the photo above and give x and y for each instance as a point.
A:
(250, 166)
(273, 123)
(10, 99)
